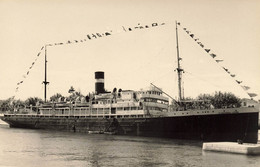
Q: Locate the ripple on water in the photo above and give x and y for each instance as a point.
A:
(52, 148)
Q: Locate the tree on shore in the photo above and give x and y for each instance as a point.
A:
(5, 105)
(33, 101)
(209, 101)
(14, 105)
(74, 96)
(221, 100)
(57, 97)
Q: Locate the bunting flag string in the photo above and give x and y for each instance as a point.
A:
(239, 82)
(201, 45)
(27, 73)
(225, 69)
(97, 35)
(130, 29)
(252, 94)
(213, 55)
(207, 50)
(246, 87)
(219, 61)
(88, 37)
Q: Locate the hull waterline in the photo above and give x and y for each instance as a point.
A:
(220, 127)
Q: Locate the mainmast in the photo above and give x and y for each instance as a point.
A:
(45, 82)
(179, 69)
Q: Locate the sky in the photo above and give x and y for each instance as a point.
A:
(130, 60)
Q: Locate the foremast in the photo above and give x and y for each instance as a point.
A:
(179, 69)
(45, 82)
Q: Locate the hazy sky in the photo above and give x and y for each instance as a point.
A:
(131, 60)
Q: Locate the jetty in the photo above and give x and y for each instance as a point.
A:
(232, 147)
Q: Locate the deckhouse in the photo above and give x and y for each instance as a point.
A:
(121, 103)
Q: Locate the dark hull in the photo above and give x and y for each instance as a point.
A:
(219, 127)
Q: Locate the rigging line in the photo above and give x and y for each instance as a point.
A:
(175, 78)
(164, 93)
(161, 77)
(202, 79)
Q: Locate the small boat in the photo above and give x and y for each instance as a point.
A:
(95, 132)
(110, 133)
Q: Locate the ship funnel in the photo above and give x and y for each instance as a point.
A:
(99, 85)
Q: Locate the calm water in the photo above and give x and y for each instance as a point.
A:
(25, 147)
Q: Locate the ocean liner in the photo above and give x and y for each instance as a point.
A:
(144, 112)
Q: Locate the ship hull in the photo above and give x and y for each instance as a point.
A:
(219, 127)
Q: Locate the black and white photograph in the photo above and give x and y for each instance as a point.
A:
(98, 83)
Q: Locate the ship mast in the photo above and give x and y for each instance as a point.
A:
(179, 69)
(45, 82)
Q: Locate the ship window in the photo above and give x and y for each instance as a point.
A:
(106, 109)
(113, 110)
(119, 108)
(133, 108)
(126, 108)
(94, 111)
